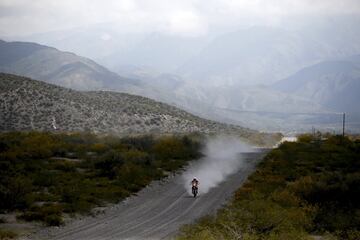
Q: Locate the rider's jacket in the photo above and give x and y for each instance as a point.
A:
(194, 183)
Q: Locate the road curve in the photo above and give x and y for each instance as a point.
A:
(156, 212)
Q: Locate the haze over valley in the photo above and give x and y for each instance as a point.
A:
(295, 73)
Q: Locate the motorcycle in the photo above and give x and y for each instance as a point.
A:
(194, 190)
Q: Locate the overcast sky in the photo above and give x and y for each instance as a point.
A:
(180, 17)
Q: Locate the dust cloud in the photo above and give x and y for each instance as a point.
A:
(221, 158)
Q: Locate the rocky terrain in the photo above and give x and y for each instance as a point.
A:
(34, 105)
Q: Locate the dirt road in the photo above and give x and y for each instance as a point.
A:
(157, 212)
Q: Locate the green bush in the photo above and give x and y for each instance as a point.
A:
(44, 179)
(45, 213)
(31, 216)
(6, 234)
(53, 220)
(306, 138)
(65, 166)
(108, 164)
(13, 192)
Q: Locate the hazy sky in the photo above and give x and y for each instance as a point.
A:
(180, 17)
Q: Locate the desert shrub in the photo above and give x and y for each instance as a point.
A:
(168, 148)
(6, 234)
(78, 206)
(351, 234)
(38, 145)
(286, 198)
(64, 166)
(53, 220)
(137, 157)
(132, 177)
(42, 213)
(305, 138)
(13, 192)
(108, 164)
(143, 143)
(98, 148)
(44, 179)
(70, 193)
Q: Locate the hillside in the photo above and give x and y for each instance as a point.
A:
(61, 68)
(333, 84)
(33, 105)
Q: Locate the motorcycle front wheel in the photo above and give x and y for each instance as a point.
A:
(194, 191)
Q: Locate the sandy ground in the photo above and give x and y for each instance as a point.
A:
(156, 212)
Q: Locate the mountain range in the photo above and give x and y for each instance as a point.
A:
(240, 56)
(312, 96)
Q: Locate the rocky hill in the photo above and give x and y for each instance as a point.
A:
(60, 68)
(34, 105)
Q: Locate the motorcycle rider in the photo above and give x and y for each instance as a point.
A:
(194, 184)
